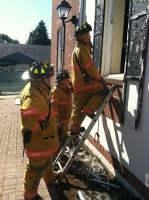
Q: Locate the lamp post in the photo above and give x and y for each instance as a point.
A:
(63, 10)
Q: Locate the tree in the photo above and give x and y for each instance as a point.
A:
(39, 35)
(6, 39)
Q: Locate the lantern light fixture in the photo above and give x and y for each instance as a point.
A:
(63, 11)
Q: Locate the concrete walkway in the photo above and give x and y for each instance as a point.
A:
(11, 148)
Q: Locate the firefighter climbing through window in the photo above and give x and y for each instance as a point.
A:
(89, 86)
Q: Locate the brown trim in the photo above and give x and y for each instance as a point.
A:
(124, 172)
(113, 109)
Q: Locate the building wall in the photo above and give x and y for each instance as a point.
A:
(125, 148)
(70, 28)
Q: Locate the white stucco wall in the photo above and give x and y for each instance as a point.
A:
(128, 145)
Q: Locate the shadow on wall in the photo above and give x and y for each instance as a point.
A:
(124, 157)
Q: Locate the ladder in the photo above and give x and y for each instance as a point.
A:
(81, 142)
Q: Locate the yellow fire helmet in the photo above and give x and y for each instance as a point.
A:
(83, 28)
(38, 70)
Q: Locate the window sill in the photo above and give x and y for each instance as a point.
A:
(114, 79)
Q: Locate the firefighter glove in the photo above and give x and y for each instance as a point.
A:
(104, 91)
(103, 81)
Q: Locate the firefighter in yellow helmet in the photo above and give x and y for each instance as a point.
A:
(38, 125)
(61, 100)
(89, 86)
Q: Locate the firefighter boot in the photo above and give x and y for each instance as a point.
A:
(55, 177)
(58, 175)
(36, 198)
(82, 129)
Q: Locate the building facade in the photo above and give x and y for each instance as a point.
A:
(120, 39)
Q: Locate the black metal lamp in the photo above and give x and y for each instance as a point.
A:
(63, 11)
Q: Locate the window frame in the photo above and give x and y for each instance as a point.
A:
(112, 37)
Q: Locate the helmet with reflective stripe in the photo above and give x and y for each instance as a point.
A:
(62, 75)
(38, 70)
(83, 28)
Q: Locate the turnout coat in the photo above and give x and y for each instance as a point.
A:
(83, 54)
(35, 107)
(61, 100)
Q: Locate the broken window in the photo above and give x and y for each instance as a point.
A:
(110, 35)
(98, 32)
(136, 37)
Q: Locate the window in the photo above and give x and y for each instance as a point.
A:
(60, 49)
(113, 24)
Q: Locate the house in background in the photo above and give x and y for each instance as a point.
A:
(18, 57)
(120, 38)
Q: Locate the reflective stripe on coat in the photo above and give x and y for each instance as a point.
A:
(84, 57)
(61, 101)
(34, 109)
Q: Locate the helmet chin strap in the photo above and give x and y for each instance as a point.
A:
(47, 86)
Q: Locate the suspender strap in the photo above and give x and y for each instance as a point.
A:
(82, 70)
(84, 73)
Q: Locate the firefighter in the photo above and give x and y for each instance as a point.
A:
(61, 100)
(38, 125)
(89, 86)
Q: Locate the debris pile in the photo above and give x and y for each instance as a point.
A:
(87, 179)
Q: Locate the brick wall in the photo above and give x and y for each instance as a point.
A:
(114, 108)
(56, 25)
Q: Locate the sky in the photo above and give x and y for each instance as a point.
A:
(20, 17)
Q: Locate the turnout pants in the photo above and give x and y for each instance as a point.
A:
(84, 103)
(62, 131)
(35, 170)
(62, 135)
